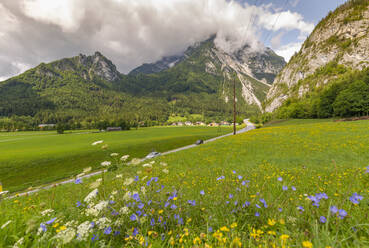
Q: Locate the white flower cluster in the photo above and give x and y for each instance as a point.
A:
(97, 142)
(91, 196)
(95, 210)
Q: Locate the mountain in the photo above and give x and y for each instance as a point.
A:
(161, 65)
(336, 49)
(90, 88)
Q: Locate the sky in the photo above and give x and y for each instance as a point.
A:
(133, 32)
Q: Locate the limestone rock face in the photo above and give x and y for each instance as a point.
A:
(343, 36)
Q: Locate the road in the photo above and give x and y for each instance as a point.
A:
(249, 126)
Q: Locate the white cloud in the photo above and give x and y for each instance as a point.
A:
(65, 13)
(129, 32)
(288, 50)
(286, 20)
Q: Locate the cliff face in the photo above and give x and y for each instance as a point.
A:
(342, 37)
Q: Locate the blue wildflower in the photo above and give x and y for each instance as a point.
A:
(356, 198)
(133, 217)
(114, 213)
(367, 169)
(140, 205)
(180, 221)
(92, 224)
(280, 209)
(334, 209)
(293, 188)
(239, 177)
(301, 208)
(136, 178)
(94, 237)
(152, 222)
(43, 227)
(166, 204)
(136, 197)
(342, 213)
(111, 202)
(257, 206)
(202, 192)
(322, 219)
(78, 204)
(78, 181)
(107, 230)
(280, 179)
(50, 221)
(138, 212)
(234, 172)
(257, 214)
(230, 196)
(235, 203)
(192, 202)
(210, 229)
(220, 178)
(246, 204)
(285, 188)
(116, 233)
(135, 232)
(173, 206)
(264, 202)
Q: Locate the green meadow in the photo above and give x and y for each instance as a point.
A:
(33, 158)
(284, 185)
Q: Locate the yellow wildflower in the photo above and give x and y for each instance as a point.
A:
(234, 225)
(224, 229)
(196, 241)
(307, 244)
(284, 237)
(236, 242)
(271, 222)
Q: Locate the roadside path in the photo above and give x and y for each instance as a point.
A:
(249, 126)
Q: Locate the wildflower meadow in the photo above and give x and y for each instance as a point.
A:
(280, 186)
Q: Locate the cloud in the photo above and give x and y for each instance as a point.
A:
(65, 13)
(129, 32)
(276, 40)
(288, 50)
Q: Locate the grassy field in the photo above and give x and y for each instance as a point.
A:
(289, 185)
(32, 158)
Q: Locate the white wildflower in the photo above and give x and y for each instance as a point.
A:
(91, 195)
(124, 210)
(94, 185)
(144, 178)
(163, 164)
(80, 175)
(95, 210)
(103, 223)
(65, 236)
(124, 158)
(143, 190)
(165, 171)
(83, 231)
(97, 142)
(152, 162)
(139, 172)
(47, 212)
(114, 192)
(127, 196)
(106, 163)
(119, 176)
(114, 154)
(128, 181)
(135, 161)
(143, 219)
(6, 223)
(87, 170)
(99, 180)
(147, 165)
(119, 222)
(19, 243)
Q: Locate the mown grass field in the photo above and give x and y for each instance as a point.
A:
(33, 158)
(289, 185)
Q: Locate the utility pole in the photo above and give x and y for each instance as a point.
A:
(234, 106)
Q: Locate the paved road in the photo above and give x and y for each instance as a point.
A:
(249, 126)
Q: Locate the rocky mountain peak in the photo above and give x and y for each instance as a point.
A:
(342, 37)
